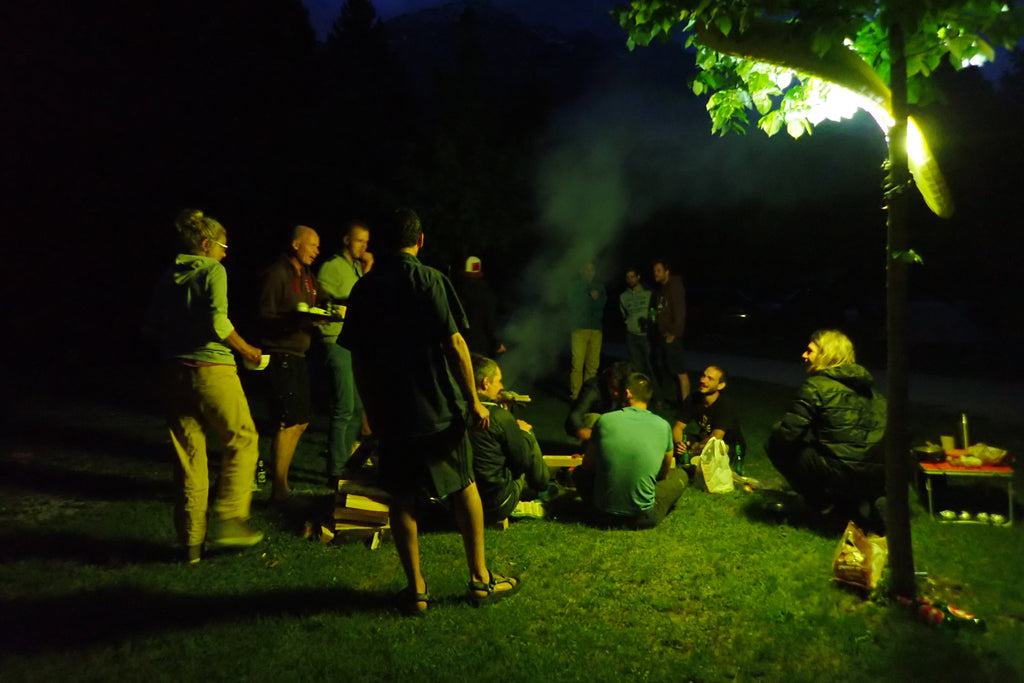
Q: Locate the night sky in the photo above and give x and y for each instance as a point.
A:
(567, 15)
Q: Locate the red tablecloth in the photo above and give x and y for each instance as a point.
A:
(948, 467)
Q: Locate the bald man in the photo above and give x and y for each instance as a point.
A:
(286, 336)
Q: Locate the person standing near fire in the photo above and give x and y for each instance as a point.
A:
(635, 307)
(586, 299)
(287, 283)
(414, 374)
(667, 358)
(481, 305)
(336, 277)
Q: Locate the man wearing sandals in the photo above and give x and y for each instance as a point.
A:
(626, 478)
(413, 371)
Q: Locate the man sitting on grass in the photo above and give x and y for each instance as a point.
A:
(506, 456)
(712, 412)
(600, 394)
(626, 478)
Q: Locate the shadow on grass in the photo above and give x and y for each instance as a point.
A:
(111, 614)
(32, 434)
(785, 508)
(292, 515)
(60, 545)
(40, 476)
(566, 508)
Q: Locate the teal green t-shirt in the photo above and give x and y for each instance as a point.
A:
(629, 447)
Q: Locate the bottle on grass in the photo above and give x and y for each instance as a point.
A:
(944, 616)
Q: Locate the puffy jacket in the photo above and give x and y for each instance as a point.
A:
(838, 410)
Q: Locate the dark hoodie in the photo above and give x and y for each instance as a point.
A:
(838, 410)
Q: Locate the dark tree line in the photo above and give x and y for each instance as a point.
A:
(124, 112)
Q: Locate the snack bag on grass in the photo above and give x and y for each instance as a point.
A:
(860, 558)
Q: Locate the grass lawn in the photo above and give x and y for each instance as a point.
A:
(91, 587)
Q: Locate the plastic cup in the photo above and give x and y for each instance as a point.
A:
(948, 443)
(262, 365)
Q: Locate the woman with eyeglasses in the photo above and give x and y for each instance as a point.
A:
(189, 316)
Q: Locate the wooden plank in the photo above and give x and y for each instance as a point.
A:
(563, 460)
(361, 502)
(362, 488)
(366, 516)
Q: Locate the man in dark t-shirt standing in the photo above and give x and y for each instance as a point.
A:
(286, 284)
(412, 367)
(667, 357)
(713, 414)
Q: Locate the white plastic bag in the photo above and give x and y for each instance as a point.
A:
(714, 466)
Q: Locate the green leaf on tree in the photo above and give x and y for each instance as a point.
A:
(724, 23)
(908, 256)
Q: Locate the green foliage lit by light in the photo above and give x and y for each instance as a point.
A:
(750, 52)
(908, 256)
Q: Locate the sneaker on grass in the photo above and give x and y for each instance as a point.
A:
(531, 508)
(235, 533)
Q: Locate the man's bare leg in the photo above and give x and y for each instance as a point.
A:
(405, 530)
(684, 385)
(469, 515)
(283, 449)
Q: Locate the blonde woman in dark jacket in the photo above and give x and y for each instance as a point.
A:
(829, 444)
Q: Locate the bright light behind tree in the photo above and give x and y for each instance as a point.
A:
(804, 101)
(800, 62)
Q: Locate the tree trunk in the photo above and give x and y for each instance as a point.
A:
(897, 441)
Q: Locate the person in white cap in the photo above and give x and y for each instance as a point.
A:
(481, 306)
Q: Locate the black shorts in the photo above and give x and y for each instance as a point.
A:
(675, 359)
(436, 465)
(289, 390)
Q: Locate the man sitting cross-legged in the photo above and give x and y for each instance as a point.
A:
(626, 478)
(600, 394)
(506, 456)
(713, 414)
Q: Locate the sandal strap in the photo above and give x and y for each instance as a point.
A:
(511, 581)
(489, 587)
